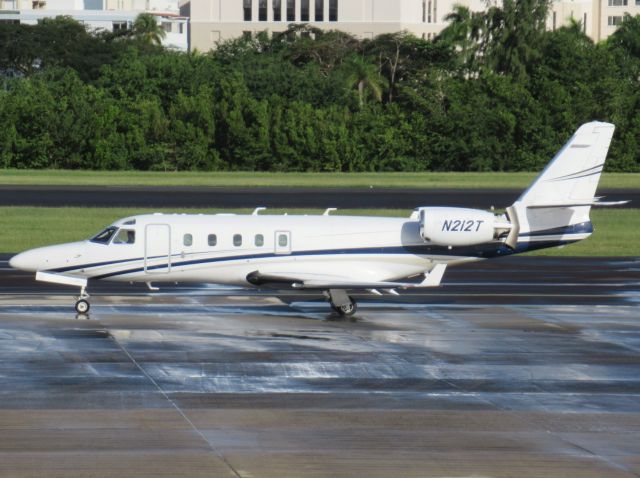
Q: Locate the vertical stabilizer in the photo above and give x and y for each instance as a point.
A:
(573, 174)
(556, 206)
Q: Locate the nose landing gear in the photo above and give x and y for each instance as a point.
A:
(82, 304)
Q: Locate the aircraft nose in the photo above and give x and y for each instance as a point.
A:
(25, 261)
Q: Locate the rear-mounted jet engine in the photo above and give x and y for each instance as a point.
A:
(452, 226)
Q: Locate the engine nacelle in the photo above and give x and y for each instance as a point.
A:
(453, 226)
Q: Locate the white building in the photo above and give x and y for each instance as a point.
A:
(111, 15)
(599, 18)
(215, 20)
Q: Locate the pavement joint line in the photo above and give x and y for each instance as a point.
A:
(557, 435)
(175, 406)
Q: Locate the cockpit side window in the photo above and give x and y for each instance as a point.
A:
(103, 237)
(125, 236)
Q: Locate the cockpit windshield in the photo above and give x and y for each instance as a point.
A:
(103, 237)
(125, 236)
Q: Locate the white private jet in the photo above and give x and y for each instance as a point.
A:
(335, 254)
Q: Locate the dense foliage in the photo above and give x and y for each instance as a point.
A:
(494, 91)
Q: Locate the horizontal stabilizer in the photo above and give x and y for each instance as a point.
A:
(586, 202)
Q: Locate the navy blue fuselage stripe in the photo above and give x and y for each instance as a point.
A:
(583, 228)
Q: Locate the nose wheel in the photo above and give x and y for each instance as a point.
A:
(82, 304)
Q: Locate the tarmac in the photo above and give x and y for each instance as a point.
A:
(274, 197)
(518, 367)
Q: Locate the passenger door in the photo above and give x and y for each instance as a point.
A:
(157, 249)
(283, 242)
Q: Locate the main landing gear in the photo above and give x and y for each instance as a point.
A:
(342, 303)
(82, 304)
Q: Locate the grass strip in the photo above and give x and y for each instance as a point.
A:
(421, 180)
(617, 230)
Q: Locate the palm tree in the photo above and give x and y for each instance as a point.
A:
(463, 33)
(365, 77)
(147, 29)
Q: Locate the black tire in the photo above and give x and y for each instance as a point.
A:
(82, 306)
(346, 310)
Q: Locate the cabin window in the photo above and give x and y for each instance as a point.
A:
(259, 240)
(125, 236)
(237, 240)
(212, 240)
(187, 240)
(283, 240)
(103, 237)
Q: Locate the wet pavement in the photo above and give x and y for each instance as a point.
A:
(515, 368)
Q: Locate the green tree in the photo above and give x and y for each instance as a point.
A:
(146, 29)
(364, 76)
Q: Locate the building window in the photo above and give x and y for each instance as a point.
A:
(584, 23)
(237, 240)
(553, 26)
(333, 10)
(291, 10)
(38, 5)
(304, 11)
(246, 35)
(212, 240)
(187, 240)
(262, 10)
(119, 26)
(424, 11)
(614, 21)
(166, 26)
(429, 12)
(637, 3)
(180, 28)
(247, 10)
(277, 10)
(618, 3)
(259, 241)
(319, 10)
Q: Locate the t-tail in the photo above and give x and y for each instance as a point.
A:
(554, 210)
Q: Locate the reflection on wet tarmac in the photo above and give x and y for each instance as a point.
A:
(529, 381)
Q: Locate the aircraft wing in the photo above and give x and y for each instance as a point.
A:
(431, 279)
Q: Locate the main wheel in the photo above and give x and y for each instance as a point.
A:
(82, 306)
(346, 310)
